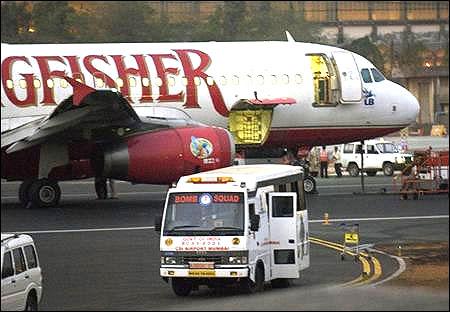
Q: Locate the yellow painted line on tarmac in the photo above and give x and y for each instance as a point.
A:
(376, 274)
(364, 277)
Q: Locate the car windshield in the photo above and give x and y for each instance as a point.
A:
(204, 213)
(387, 148)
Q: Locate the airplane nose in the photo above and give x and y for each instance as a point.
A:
(413, 106)
(409, 102)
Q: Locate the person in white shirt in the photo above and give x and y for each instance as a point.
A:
(337, 161)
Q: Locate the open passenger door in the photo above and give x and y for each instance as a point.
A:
(351, 87)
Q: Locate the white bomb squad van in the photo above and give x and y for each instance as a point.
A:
(243, 225)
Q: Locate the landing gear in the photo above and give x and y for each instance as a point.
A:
(39, 193)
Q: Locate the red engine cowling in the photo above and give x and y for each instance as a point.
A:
(162, 157)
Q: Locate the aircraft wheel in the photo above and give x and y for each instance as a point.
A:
(44, 193)
(24, 191)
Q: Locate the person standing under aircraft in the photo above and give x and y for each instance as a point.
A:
(112, 188)
(323, 162)
(337, 161)
(100, 187)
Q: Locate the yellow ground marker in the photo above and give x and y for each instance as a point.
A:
(364, 277)
(325, 219)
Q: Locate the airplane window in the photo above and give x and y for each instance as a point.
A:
(197, 81)
(235, 80)
(9, 84)
(50, 83)
(132, 81)
(99, 83)
(223, 80)
(285, 79)
(184, 81)
(274, 79)
(298, 79)
(248, 79)
(23, 83)
(171, 81)
(365, 74)
(145, 82)
(119, 82)
(210, 80)
(37, 83)
(260, 79)
(377, 76)
(158, 82)
(78, 77)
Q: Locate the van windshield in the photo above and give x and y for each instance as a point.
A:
(387, 148)
(208, 214)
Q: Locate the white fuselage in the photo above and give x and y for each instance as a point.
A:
(204, 80)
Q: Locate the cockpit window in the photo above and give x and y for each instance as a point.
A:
(377, 76)
(365, 73)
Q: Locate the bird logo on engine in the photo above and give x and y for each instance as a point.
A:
(201, 148)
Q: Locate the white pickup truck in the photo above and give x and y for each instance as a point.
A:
(378, 155)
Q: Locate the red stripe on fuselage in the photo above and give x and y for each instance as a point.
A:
(323, 136)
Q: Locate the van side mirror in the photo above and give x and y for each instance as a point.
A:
(254, 223)
(158, 222)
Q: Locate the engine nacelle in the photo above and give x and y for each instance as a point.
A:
(162, 157)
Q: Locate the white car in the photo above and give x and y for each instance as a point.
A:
(378, 155)
(21, 273)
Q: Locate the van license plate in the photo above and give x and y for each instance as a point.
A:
(202, 273)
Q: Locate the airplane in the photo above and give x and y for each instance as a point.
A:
(152, 112)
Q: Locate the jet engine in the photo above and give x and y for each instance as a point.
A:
(163, 156)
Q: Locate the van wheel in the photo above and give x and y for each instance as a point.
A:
(388, 169)
(353, 170)
(32, 304)
(181, 287)
(309, 184)
(250, 287)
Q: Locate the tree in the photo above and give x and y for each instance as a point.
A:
(410, 56)
(15, 21)
(365, 47)
(234, 20)
(54, 22)
(128, 21)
